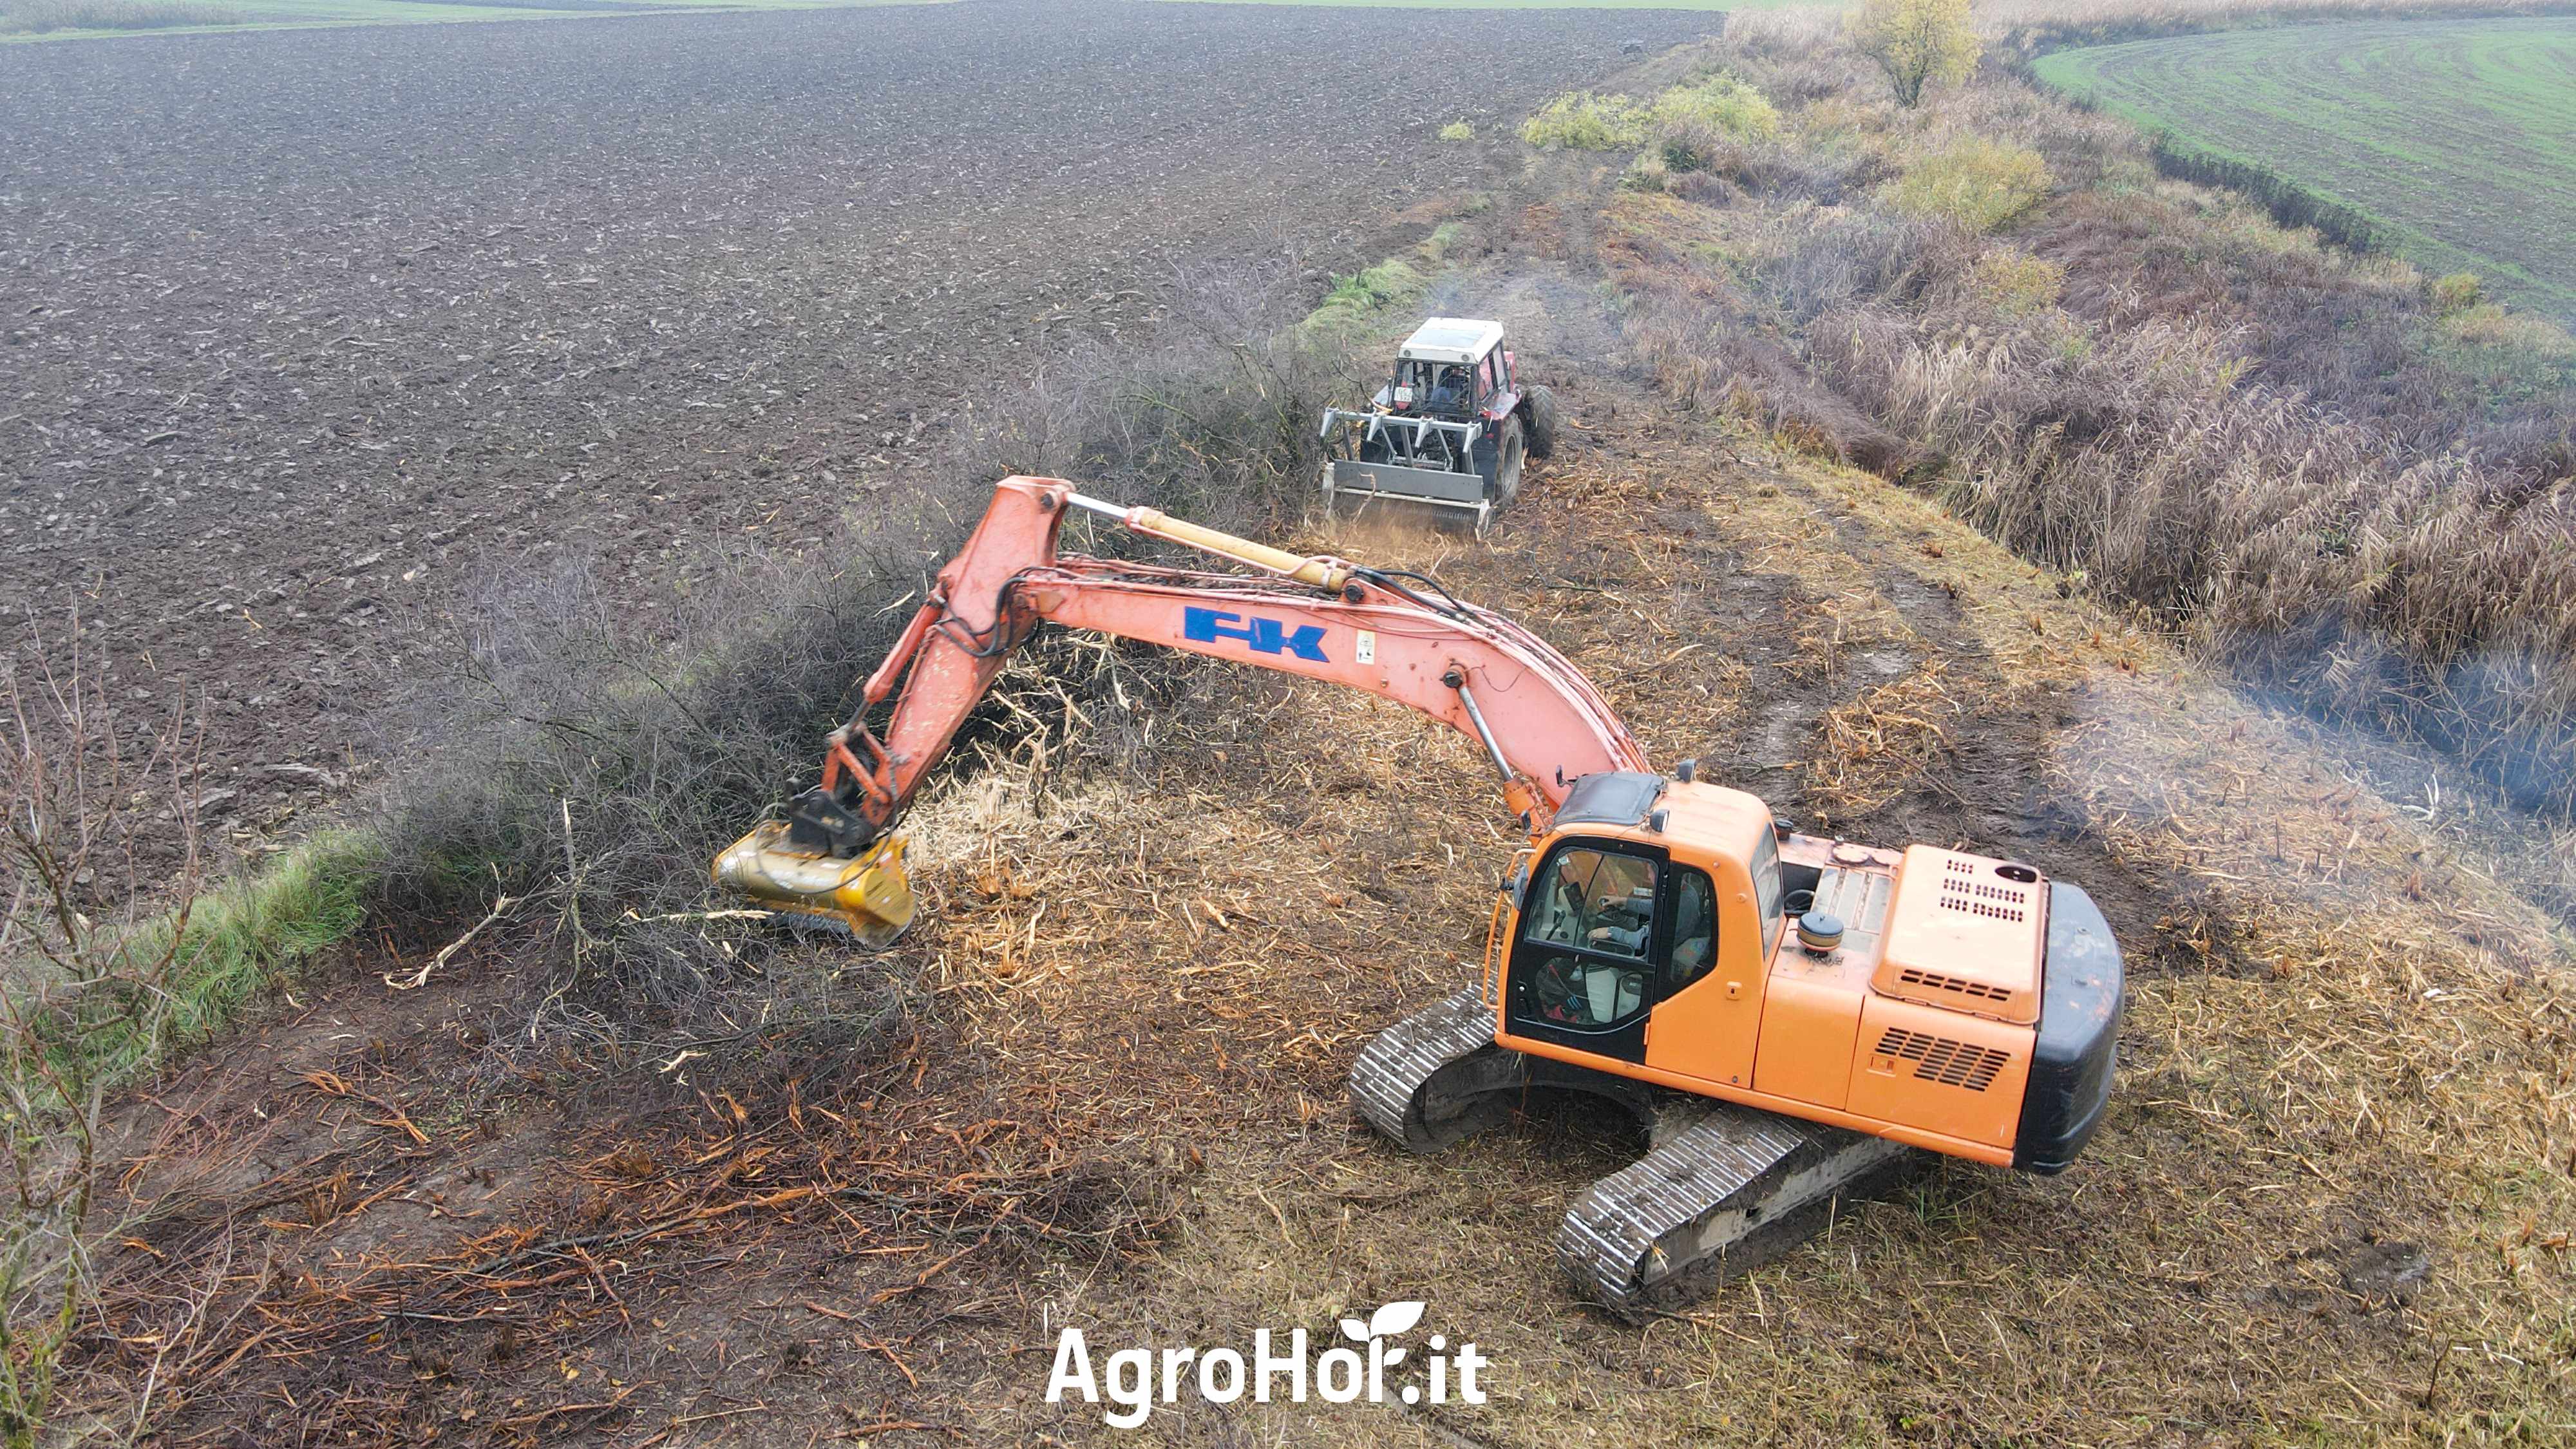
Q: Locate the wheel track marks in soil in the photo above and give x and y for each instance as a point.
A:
(1992, 786)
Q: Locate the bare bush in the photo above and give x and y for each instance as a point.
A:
(588, 767)
(100, 838)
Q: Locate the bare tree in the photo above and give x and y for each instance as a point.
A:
(99, 860)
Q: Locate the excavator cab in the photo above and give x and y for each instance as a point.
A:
(1671, 932)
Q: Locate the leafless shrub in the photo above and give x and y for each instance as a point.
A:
(100, 837)
(564, 756)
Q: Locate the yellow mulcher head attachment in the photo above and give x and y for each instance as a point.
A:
(866, 894)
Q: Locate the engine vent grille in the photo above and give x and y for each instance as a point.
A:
(1935, 981)
(1939, 1059)
(1971, 897)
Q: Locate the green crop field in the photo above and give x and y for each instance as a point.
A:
(2458, 137)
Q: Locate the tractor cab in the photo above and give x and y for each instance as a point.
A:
(1450, 368)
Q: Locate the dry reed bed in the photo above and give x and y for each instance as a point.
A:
(2144, 384)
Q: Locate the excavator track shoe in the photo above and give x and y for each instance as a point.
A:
(1723, 1191)
(1436, 1076)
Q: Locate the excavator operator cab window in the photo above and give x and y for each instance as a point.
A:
(1585, 961)
(1598, 901)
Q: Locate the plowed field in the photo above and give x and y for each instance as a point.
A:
(305, 330)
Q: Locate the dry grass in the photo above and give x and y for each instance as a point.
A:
(1870, 750)
(2297, 1105)
(2278, 450)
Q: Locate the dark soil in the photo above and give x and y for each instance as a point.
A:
(302, 332)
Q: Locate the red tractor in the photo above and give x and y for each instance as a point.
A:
(1444, 440)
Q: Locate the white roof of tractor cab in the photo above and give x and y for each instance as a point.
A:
(1452, 339)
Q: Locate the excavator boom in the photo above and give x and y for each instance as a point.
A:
(1927, 1000)
(1531, 712)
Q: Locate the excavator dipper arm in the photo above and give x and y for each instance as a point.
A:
(1739, 1169)
(1532, 713)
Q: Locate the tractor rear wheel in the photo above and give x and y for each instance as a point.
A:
(1500, 463)
(1541, 411)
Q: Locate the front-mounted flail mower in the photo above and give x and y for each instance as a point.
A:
(1444, 441)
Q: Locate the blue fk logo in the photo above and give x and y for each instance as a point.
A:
(1266, 636)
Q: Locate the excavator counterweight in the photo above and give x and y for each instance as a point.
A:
(1790, 1018)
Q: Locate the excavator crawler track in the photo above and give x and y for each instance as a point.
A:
(1436, 1076)
(1723, 1190)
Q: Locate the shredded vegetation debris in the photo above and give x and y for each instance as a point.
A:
(1869, 750)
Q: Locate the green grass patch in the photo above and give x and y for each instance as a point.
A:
(1713, 108)
(2455, 141)
(196, 969)
(1355, 302)
(1582, 121)
(1719, 103)
(262, 929)
(248, 935)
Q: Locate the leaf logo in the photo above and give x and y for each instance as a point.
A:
(1387, 1322)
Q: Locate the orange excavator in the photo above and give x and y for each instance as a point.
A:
(1792, 1018)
